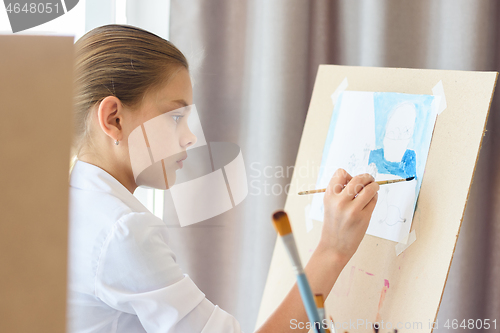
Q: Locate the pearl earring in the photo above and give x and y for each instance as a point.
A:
(117, 142)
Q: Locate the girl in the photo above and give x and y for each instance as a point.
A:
(123, 276)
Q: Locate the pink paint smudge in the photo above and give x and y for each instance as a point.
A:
(369, 274)
(382, 298)
(351, 276)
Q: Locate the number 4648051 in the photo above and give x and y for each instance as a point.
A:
(32, 8)
(472, 324)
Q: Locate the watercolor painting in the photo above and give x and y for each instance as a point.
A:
(394, 157)
(387, 135)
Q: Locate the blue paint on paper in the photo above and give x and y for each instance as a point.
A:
(384, 105)
(414, 159)
(404, 169)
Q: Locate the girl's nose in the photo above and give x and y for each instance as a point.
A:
(188, 139)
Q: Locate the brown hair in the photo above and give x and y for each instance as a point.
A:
(122, 61)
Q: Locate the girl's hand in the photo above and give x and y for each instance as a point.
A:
(347, 212)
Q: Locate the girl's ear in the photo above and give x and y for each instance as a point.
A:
(109, 117)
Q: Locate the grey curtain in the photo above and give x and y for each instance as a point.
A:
(254, 63)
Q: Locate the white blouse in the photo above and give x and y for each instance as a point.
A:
(123, 276)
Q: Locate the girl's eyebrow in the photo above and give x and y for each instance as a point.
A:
(181, 101)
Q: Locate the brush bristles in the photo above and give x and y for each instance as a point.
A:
(281, 223)
(318, 298)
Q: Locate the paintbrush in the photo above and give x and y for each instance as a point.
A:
(284, 229)
(380, 182)
(320, 305)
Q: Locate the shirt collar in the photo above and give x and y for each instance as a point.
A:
(90, 177)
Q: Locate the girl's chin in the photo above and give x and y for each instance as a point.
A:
(171, 172)
(171, 176)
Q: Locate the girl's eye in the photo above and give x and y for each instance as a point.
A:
(176, 118)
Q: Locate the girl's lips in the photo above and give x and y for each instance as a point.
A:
(179, 162)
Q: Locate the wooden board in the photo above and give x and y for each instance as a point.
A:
(416, 278)
(36, 103)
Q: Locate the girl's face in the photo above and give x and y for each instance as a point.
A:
(176, 136)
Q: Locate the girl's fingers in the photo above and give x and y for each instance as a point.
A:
(357, 184)
(366, 195)
(370, 206)
(338, 180)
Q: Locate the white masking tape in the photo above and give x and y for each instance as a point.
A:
(438, 90)
(343, 86)
(410, 238)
